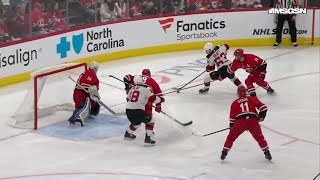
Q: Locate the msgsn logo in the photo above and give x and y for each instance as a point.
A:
(19, 57)
(95, 41)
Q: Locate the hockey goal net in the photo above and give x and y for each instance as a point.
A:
(49, 91)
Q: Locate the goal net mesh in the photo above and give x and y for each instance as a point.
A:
(50, 90)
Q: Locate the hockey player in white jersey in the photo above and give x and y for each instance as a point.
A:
(217, 58)
(138, 97)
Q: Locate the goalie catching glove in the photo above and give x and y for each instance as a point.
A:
(94, 94)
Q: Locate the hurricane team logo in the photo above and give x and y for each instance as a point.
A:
(166, 23)
(64, 45)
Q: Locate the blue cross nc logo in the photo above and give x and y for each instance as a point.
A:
(63, 47)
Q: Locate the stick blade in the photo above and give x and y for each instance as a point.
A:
(186, 124)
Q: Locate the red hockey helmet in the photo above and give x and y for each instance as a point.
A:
(238, 53)
(242, 91)
(146, 72)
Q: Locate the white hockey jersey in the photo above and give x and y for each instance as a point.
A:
(139, 96)
(218, 57)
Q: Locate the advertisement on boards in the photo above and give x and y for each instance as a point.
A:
(89, 42)
(188, 29)
(143, 33)
(267, 30)
(21, 58)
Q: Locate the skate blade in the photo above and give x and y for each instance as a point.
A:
(75, 125)
(129, 139)
(148, 145)
(273, 94)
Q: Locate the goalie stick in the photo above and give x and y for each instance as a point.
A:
(183, 124)
(203, 135)
(100, 102)
(178, 89)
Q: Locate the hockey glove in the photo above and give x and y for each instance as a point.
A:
(162, 99)
(230, 125)
(209, 68)
(158, 107)
(94, 94)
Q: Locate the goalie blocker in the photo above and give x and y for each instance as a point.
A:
(86, 95)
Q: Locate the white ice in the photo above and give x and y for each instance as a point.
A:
(291, 127)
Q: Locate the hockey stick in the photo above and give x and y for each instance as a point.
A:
(203, 135)
(172, 118)
(316, 177)
(183, 124)
(178, 89)
(183, 88)
(100, 102)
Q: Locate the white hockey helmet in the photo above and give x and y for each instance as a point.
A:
(138, 79)
(94, 66)
(208, 47)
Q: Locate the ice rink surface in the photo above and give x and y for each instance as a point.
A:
(99, 152)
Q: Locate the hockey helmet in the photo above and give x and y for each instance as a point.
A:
(208, 47)
(94, 66)
(242, 91)
(238, 54)
(146, 72)
(138, 79)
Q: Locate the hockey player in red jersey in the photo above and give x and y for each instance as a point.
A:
(139, 96)
(86, 95)
(254, 65)
(217, 58)
(244, 116)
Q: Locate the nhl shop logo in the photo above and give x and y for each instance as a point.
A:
(166, 23)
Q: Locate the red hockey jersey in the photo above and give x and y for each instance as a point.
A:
(251, 63)
(247, 105)
(88, 78)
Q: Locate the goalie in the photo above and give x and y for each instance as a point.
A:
(86, 95)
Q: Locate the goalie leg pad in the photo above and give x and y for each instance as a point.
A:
(95, 108)
(81, 113)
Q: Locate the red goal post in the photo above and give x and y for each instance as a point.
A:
(57, 75)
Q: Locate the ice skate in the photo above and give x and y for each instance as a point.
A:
(270, 91)
(148, 141)
(267, 155)
(204, 90)
(223, 154)
(129, 136)
(276, 45)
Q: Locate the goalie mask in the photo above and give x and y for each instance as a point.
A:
(94, 66)
(208, 48)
